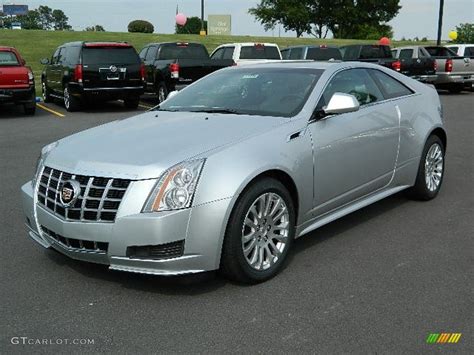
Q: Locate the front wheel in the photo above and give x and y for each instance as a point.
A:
(430, 171)
(260, 233)
(46, 93)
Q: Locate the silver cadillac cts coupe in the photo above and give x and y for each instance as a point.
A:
(228, 172)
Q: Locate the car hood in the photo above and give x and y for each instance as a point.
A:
(144, 146)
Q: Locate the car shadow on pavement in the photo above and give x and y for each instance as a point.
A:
(208, 282)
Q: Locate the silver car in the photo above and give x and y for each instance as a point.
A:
(228, 172)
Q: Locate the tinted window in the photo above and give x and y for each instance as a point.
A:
(228, 53)
(218, 54)
(183, 51)
(323, 54)
(392, 87)
(422, 53)
(262, 91)
(394, 53)
(71, 55)
(469, 52)
(142, 54)
(350, 52)
(285, 53)
(406, 53)
(454, 49)
(55, 58)
(440, 52)
(296, 53)
(151, 54)
(374, 52)
(8, 59)
(355, 82)
(259, 52)
(106, 55)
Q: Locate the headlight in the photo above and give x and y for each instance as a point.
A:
(174, 190)
(39, 163)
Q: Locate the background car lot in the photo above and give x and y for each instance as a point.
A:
(380, 279)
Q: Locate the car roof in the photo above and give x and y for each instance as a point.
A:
(249, 44)
(5, 48)
(176, 42)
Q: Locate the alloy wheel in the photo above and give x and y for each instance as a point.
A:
(434, 167)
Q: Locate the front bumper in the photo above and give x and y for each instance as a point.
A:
(18, 96)
(202, 241)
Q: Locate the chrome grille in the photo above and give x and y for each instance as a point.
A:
(99, 200)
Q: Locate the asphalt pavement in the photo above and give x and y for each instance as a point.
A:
(379, 280)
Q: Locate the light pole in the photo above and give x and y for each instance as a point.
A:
(440, 22)
(203, 29)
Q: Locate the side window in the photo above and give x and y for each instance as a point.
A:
(285, 53)
(218, 54)
(63, 55)
(72, 55)
(228, 53)
(296, 53)
(454, 49)
(142, 54)
(55, 58)
(469, 52)
(394, 53)
(406, 54)
(392, 88)
(151, 54)
(355, 82)
(422, 53)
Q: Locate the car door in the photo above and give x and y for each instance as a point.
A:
(53, 72)
(150, 59)
(354, 153)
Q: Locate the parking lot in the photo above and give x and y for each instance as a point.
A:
(379, 280)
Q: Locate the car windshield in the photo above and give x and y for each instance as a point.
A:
(8, 59)
(280, 92)
(106, 55)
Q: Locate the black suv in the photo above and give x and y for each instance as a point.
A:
(82, 71)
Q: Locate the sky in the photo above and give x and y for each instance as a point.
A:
(417, 18)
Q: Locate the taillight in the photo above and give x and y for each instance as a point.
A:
(78, 73)
(397, 65)
(142, 71)
(448, 67)
(174, 70)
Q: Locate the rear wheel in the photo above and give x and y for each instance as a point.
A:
(161, 92)
(71, 103)
(131, 102)
(430, 171)
(260, 233)
(30, 109)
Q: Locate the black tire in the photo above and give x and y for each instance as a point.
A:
(46, 92)
(161, 92)
(421, 191)
(71, 103)
(30, 109)
(131, 102)
(456, 88)
(234, 264)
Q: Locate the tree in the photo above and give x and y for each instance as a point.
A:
(60, 21)
(465, 33)
(45, 17)
(344, 18)
(192, 26)
(30, 21)
(96, 28)
(141, 26)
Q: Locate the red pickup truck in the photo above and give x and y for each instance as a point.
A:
(17, 82)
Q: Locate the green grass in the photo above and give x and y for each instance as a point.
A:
(34, 45)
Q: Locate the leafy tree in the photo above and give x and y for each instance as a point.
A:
(45, 17)
(30, 21)
(60, 21)
(192, 26)
(465, 33)
(96, 28)
(141, 26)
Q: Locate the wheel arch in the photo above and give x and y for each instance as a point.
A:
(441, 134)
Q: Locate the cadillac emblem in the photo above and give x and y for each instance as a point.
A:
(113, 69)
(69, 193)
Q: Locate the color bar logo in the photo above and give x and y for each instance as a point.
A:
(442, 338)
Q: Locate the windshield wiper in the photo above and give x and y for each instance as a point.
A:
(219, 110)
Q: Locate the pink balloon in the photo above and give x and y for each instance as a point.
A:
(181, 19)
(384, 41)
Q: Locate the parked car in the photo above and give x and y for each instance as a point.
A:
(462, 50)
(371, 53)
(173, 66)
(17, 82)
(228, 171)
(248, 53)
(416, 65)
(454, 73)
(321, 52)
(81, 71)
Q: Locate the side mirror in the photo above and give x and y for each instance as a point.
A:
(44, 61)
(341, 103)
(172, 94)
